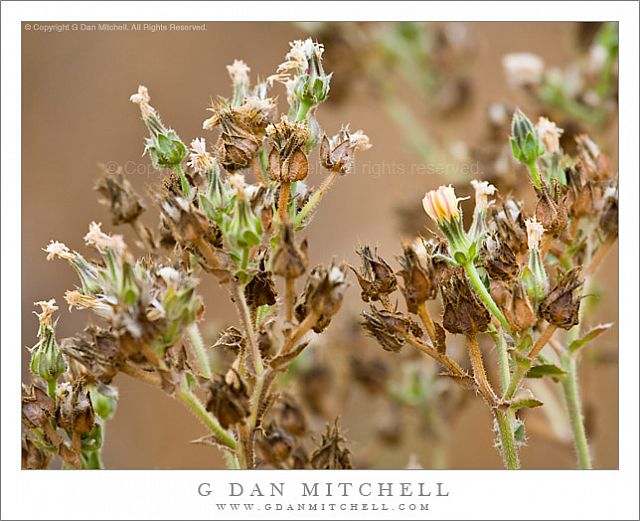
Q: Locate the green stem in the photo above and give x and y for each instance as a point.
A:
(195, 406)
(574, 408)
(482, 292)
(303, 109)
(503, 361)
(315, 198)
(51, 385)
(507, 441)
(195, 338)
(186, 189)
(535, 176)
(247, 323)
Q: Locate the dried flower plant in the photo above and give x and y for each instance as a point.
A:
(212, 222)
(512, 278)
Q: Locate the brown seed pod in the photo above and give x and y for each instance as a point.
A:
(289, 260)
(520, 313)
(275, 445)
(561, 306)
(376, 278)
(75, 412)
(331, 452)
(287, 159)
(337, 153)
(228, 399)
(388, 328)
(119, 196)
(551, 209)
(463, 312)
(323, 294)
(499, 260)
(98, 351)
(419, 275)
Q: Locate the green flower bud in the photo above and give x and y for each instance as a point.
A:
(525, 144)
(104, 400)
(166, 149)
(47, 361)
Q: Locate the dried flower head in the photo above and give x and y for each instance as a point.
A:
(287, 159)
(331, 453)
(199, 158)
(290, 260)
(418, 273)
(464, 313)
(499, 260)
(388, 328)
(323, 294)
(142, 98)
(535, 231)
(119, 196)
(549, 134)
(609, 215)
(376, 278)
(483, 189)
(228, 400)
(337, 153)
(551, 209)
(561, 306)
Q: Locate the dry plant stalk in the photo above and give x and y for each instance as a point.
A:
(213, 223)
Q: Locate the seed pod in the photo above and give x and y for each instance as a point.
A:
(499, 260)
(582, 194)
(38, 408)
(75, 412)
(228, 400)
(376, 277)
(275, 445)
(323, 295)
(287, 160)
(98, 351)
(551, 209)
(331, 452)
(463, 312)
(119, 196)
(238, 142)
(388, 328)
(232, 339)
(33, 457)
(561, 306)
(261, 290)
(506, 222)
(289, 260)
(594, 164)
(419, 275)
(520, 313)
(337, 153)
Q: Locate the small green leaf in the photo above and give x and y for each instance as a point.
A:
(538, 371)
(591, 334)
(525, 403)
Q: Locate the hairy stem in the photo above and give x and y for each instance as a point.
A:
(184, 184)
(507, 441)
(542, 340)
(283, 201)
(195, 339)
(245, 317)
(479, 373)
(423, 312)
(503, 361)
(289, 298)
(574, 408)
(315, 199)
(192, 402)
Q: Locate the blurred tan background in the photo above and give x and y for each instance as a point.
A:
(76, 114)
